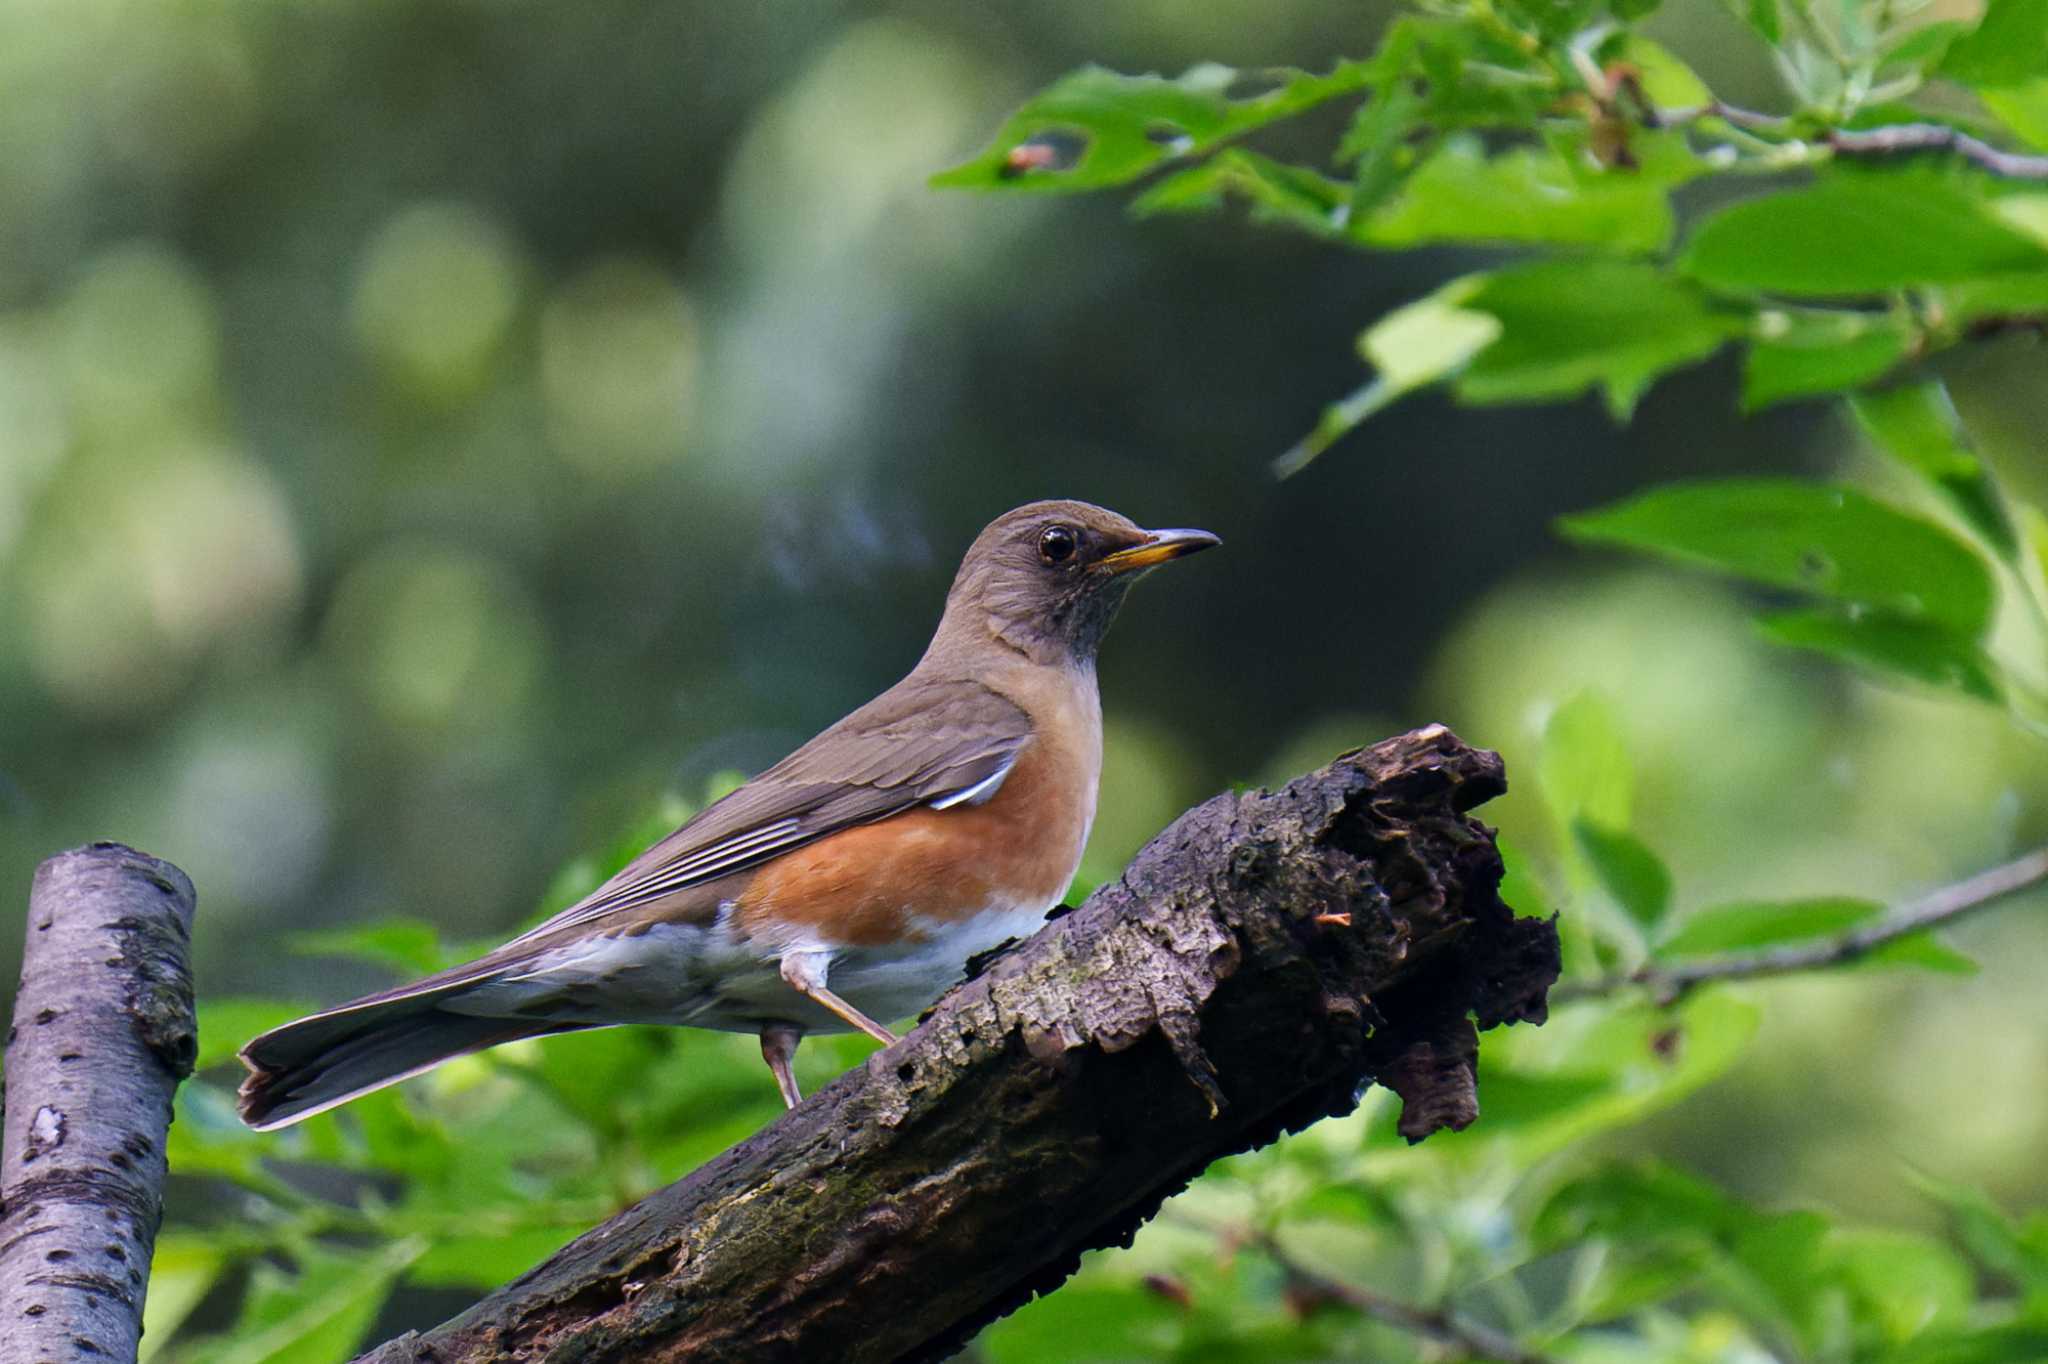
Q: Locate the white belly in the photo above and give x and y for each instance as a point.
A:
(703, 976)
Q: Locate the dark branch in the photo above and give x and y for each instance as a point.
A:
(1670, 983)
(102, 1033)
(1254, 966)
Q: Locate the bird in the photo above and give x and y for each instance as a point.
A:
(850, 882)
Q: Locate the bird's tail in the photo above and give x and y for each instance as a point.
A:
(315, 1063)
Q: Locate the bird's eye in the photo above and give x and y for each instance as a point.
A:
(1056, 544)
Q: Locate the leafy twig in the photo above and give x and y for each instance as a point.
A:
(1669, 983)
(1896, 140)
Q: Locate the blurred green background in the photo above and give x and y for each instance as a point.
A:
(430, 430)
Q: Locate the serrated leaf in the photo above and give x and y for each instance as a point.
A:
(1378, 142)
(1567, 326)
(1276, 193)
(1917, 425)
(1852, 235)
(1798, 354)
(1629, 871)
(1741, 926)
(1824, 539)
(1118, 127)
(1920, 652)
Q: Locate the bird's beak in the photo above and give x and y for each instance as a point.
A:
(1156, 548)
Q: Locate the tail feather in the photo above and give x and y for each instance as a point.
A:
(314, 1064)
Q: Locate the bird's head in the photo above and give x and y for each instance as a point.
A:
(1046, 579)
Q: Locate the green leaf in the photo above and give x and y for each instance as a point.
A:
(1567, 326)
(1411, 347)
(1824, 539)
(1636, 1203)
(1917, 425)
(1520, 890)
(1859, 234)
(1584, 770)
(316, 1316)
(1763, 17)
(1378, 141)
(1922, 951)
(1923, 48)
(410, 946)
(1747, 924)
(2019, 1343)
(1634, 875)
(1995, 1239)
(488, 1261)
(1996, 296)
(182, 1269)
(1277, 194)
(226, 1024)
(1085, 1321)
(1804, 352)
(1460, 194)
(1099, 128)
(2022, 108)
(1512, 1099)
(2008, 46)
(1666, 81)
(1430, 339)
(1894, 647)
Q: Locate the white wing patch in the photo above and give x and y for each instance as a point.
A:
(978, 793)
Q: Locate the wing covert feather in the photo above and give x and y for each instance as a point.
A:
(908, 747)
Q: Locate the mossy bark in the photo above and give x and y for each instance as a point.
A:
(1256, 965)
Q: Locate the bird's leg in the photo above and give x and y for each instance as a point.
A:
(805, 972)
(778, 1049)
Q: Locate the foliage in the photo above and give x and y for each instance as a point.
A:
(1871, 236)
(1557, 129)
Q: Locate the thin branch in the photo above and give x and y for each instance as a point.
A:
(1936, 137)
(1942, 906)
(1471, 1339)
(1900, 139)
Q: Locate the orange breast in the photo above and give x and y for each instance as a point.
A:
(876, 884)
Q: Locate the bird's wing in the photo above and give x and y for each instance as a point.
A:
(936, 744)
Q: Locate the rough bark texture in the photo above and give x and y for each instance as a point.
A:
(1255, 966)
(102, 1033)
